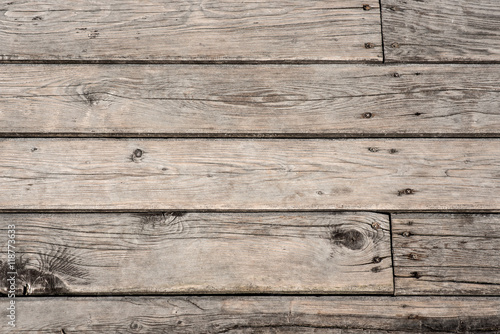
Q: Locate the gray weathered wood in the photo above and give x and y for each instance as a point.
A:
(200, 253)
(447, 254)
(157, 30)
(445, 30)
(221, 174)
(271, 314)
(312, 100)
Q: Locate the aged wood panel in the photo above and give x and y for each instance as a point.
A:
(157, 30)
(445, 30)
(271, 314)
(311, 100)
(201, 253)
(446, 254)
(222, 174)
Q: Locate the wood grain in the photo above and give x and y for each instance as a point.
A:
(272, 314)
(221, 174)
(446, 30)
(446, 254)
(194, 30)
(201, 253)
(278, 100)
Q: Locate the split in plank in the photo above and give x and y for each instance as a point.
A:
(446, 254)
(273, 175)
(271, 314)
(282, 100)
(441, 31)
(181, 30)
(201, 253)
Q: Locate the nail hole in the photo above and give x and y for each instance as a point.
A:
(138, 153)
(407, 191)
(413, 256)
(367, 115)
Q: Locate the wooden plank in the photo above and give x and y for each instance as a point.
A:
(446, 30)
(446, 254)
(271, 314)
(157, 30)
(221, 174)
(311, 100)
(200, 253)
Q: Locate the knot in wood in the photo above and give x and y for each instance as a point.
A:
(351, 239)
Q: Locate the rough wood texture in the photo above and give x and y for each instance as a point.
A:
(312, 100)
(158, 30)
(258, 315)
(221, 174)
(201, 253)
(446, 254)
(445, 30)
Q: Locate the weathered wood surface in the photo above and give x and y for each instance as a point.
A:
(201, 253)
(445, 30)
(311, 100)
(157, 30)
(446, 254)
(270, 314)
(222, 174)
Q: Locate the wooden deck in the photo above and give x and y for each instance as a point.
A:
(250, 166)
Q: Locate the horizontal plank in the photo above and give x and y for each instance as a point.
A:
(200, 253)
(446, 30)
(221, 174)
(270, 314)
(446, 254)
(311, 100)
(157, 30)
